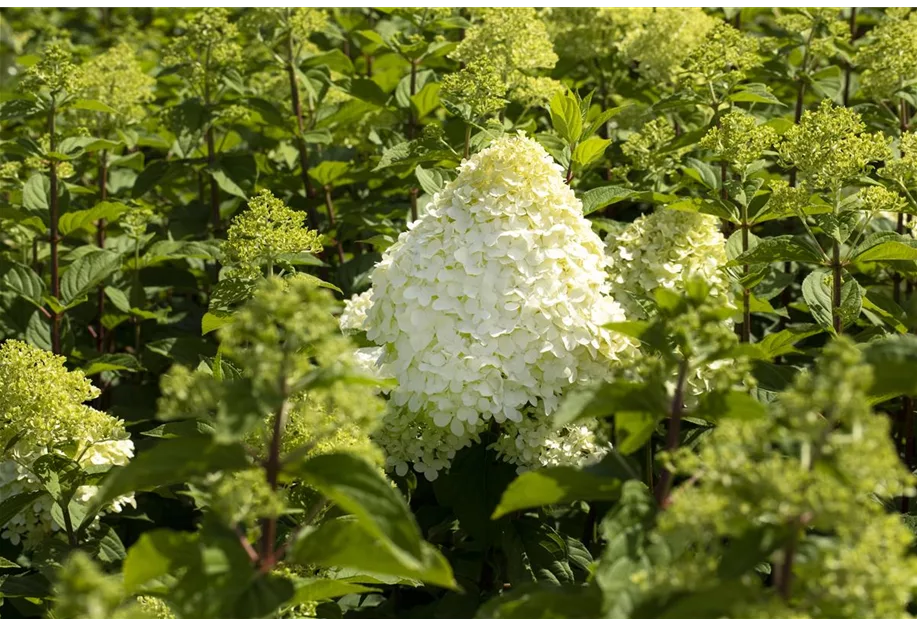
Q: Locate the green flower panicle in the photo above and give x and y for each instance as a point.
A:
(889, 57)
(208, 48)
(264, 234)
(54, 72)
(739, 140)
(818, 462)
(117, 79)
(830, 147)
(477, 90)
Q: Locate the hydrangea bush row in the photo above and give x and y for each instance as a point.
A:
(437, 312)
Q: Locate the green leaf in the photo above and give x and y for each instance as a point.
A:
(828, 81)
(358, 488)
(111, 362)
(12, 109)
(92, 105)
(817, 291)
(702, 173)
(590, 150)
(430, 180)
(168, 462)
(22, 281)
(888, 251)
(152, 174)
(536, 552)
(784, 342)
(566, 117)
(118, 298)
(780, 248)
(426, 100)
(317, 590)
(211, 322)
(634, 429)
(556, 486)
(893, 360)
(14, 504)
(345, 542)
(85, 219)
(235, 174)
(369, 91)
(327, 172)
(754, 92)
(335, 60)
(36, 193)
(601, 197)
(157, 553)
(543, 600)
(87, 272)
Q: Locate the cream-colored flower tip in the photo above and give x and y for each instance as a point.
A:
(491, 304)
(665, 249)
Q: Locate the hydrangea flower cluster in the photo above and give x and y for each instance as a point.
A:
(587, 32)
(117, 79)
(889, 57)
(264, 235)
(488, 309)
(507, 45)
(208, 47)
(830, 147)
(665, 249)
(665, 39)
(819, 464)
(43, 413)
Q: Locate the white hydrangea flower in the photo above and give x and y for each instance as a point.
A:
(353, 318)
(43, 410)
(532, 444)
(490, 305)
(33, 524)
(665, 249)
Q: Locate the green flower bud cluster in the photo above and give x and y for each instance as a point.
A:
(243, 498)
(722, 58)
(262, 235)
(665, 40)
(889, 57)
(643, 148)
(810, 473)
(903, 170)
(134, 223)
(830, 147)
(511, 43)
(84, 591)
(208, 47)
(586, 33)
(116, 78)
(54, 72)
(739, 140)
(479, 86)
(42, 412)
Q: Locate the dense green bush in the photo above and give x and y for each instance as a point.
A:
(457, 312)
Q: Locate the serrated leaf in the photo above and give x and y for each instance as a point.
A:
(22, 281)
(780, 248)
(87, 272)
(566, 117)
(556, 486)
(590, 150)
(211, 322)
(85, 219)
(601, 197)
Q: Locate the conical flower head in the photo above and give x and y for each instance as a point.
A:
(492, 304)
